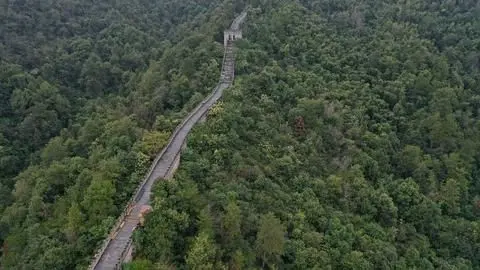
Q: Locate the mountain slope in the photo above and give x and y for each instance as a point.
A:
(349, 141)
(89, 93)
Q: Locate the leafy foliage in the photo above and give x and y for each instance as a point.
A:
(89, 94)
(349, 141)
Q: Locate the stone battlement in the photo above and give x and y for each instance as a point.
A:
(234, 32)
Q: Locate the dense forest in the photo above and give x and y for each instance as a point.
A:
(350, 140)
(89, 93)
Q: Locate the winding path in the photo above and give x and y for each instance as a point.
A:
(116, 247)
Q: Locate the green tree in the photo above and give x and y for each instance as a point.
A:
(355, 260)
(450, 196)
(231, 223)
(139, 265)
(98, 200)
(270, 239)
(201, 255)
(74, 222)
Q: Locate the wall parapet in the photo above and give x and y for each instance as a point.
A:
(142, 193)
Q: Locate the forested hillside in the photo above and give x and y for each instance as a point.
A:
(349, 141)
(89, 93)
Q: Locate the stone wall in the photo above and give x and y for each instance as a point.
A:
(231, 35)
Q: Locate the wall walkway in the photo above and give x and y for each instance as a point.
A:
(116, 247)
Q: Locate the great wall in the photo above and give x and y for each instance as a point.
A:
(117, 247)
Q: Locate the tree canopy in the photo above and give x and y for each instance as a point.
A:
(89, 94)
(348, 141)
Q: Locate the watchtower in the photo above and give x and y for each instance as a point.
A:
(231, 35)
(234, 32)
